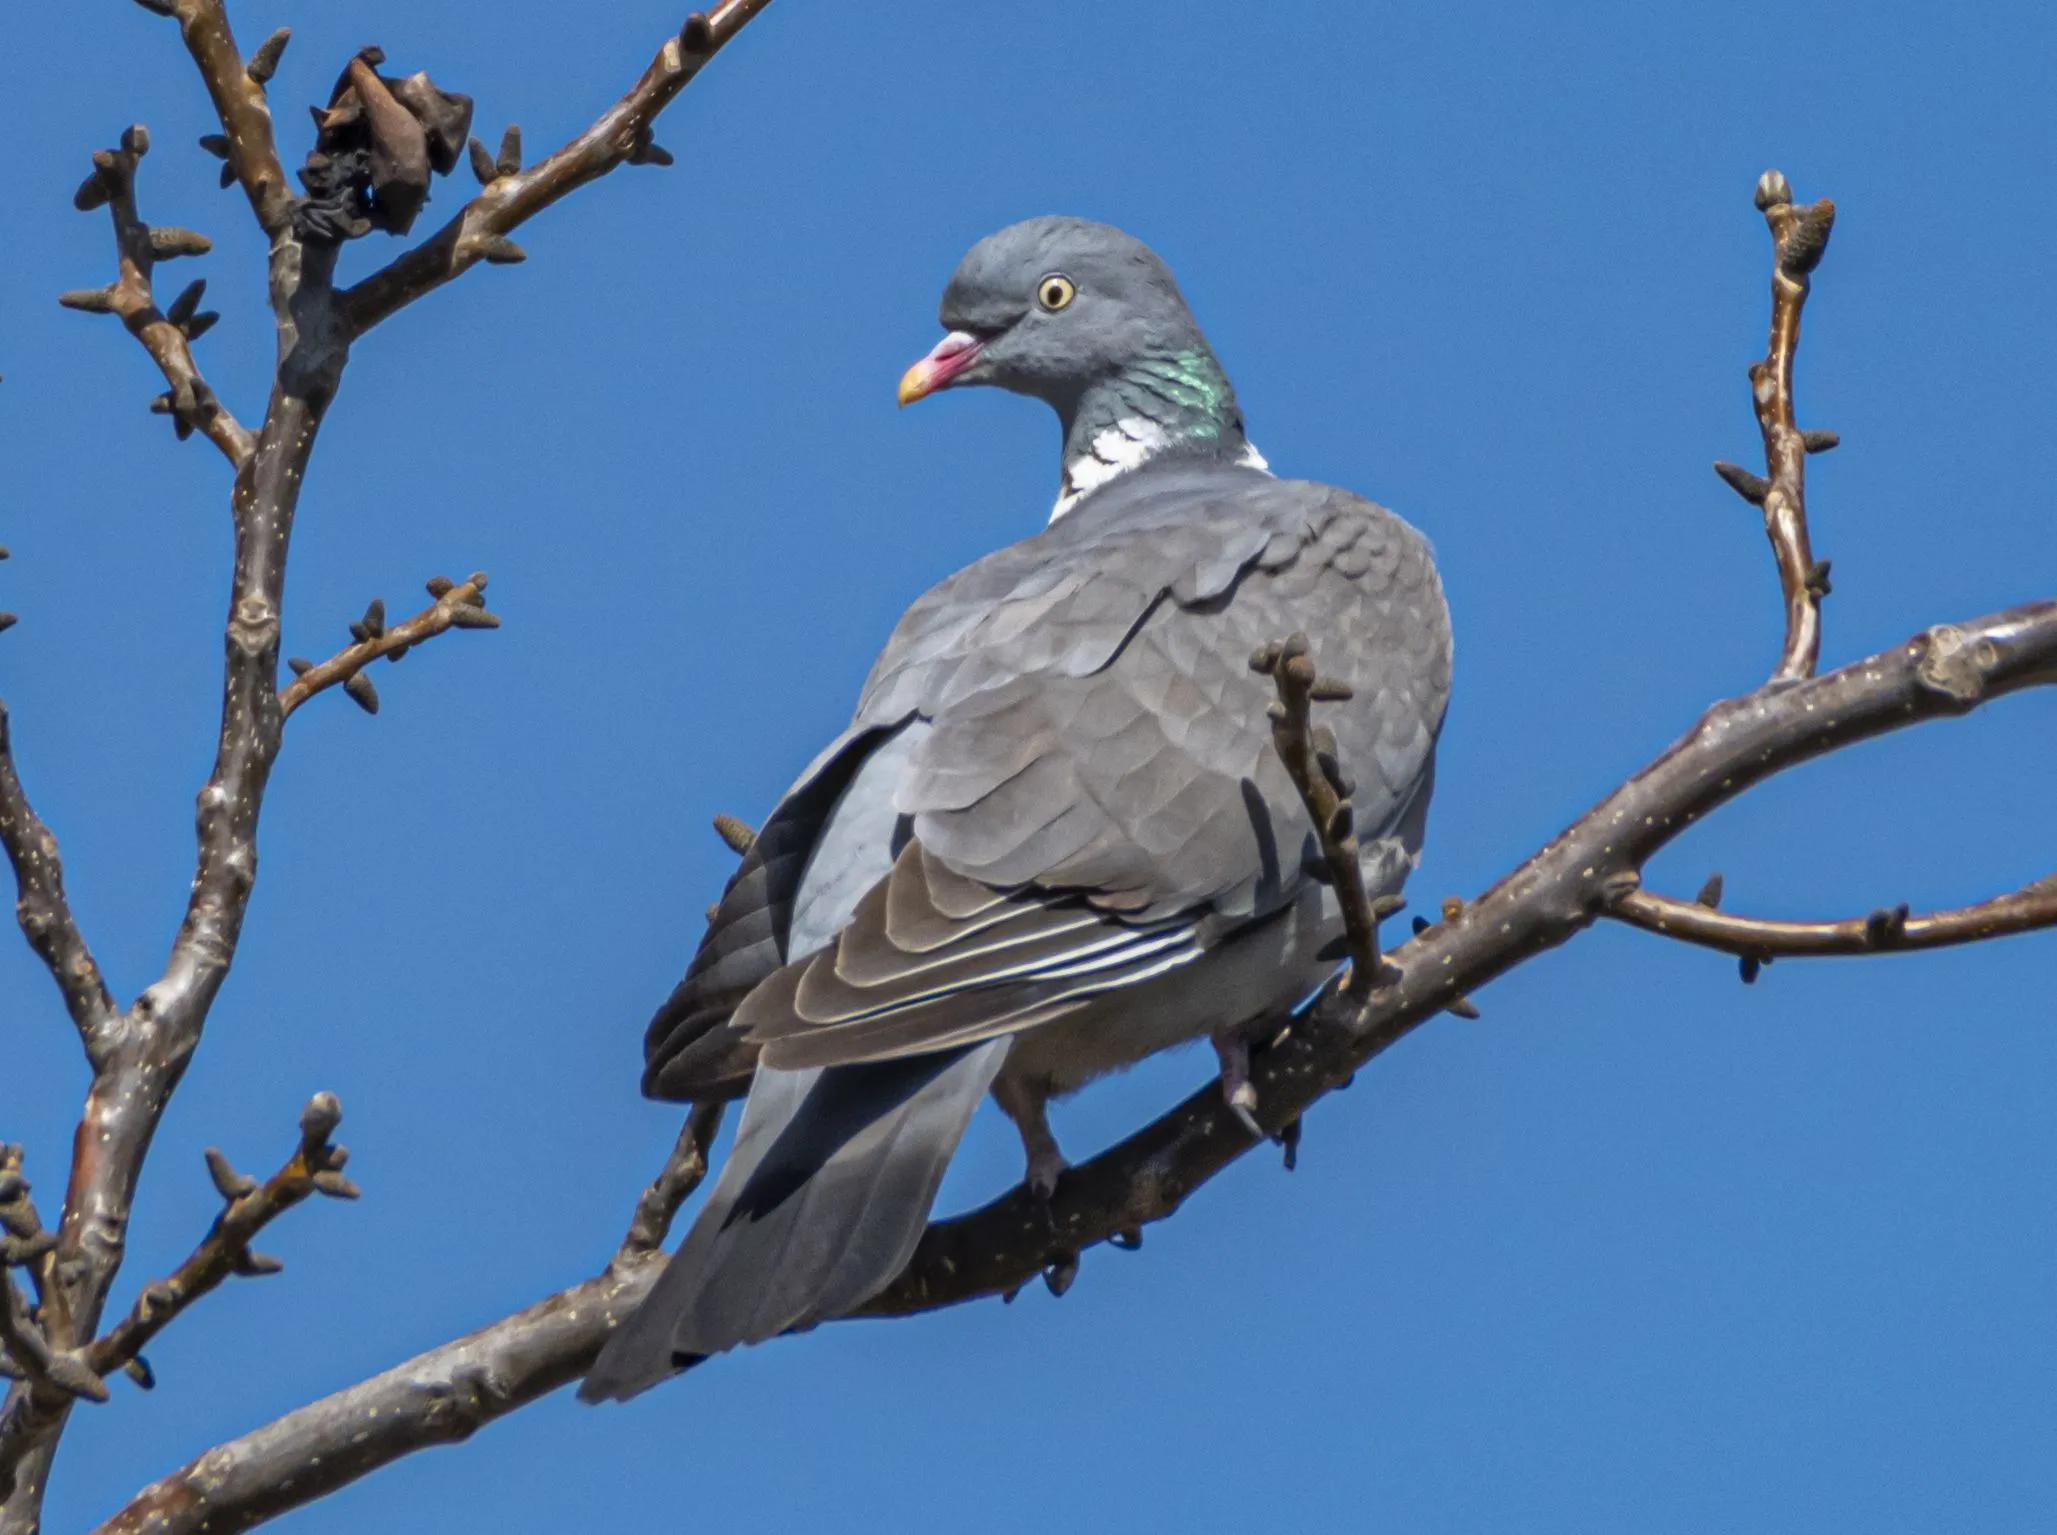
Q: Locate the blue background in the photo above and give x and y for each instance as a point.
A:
(1642, 1251)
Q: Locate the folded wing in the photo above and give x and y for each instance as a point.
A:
(1082, 788)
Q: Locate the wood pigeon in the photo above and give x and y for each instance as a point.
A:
(1055, 837)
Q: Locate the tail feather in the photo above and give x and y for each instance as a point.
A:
(819, 1208)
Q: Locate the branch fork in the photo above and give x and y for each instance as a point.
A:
(509, 196)
(682, 1173)
(49, 1373)
(1949, 662)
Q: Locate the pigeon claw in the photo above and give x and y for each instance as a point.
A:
(1232, 1049)
(1244, 1107)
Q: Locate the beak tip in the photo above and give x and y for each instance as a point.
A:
(949, 358)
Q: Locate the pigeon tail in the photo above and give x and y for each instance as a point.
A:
(819, 1208)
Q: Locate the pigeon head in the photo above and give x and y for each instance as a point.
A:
(1089, 320)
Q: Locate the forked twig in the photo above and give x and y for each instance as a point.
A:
(457, 606)
(168, 338)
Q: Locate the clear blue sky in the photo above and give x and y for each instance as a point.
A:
(1641, 1251)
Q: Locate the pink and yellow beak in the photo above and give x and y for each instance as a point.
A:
(950, 357)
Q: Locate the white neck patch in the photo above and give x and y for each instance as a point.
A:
(1129, 444)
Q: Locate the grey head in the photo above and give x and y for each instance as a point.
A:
(1089, 320)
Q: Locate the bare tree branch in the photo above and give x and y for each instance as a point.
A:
(1550, 898)
(448, 1393)
(620, 136)
(24, 1352)
(168, 338)
(1886, 930)
(139, 1055)
(44, 910)
(18, 1354)
(143, 1054)
(315, 1167)
(459, 606)
(441, 1397)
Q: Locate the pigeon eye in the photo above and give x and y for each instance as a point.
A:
(1055, 292)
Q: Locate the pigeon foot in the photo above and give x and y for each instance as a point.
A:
(1028, 1105)
(1046, 1165)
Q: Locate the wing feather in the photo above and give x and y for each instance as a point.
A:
(866, 997)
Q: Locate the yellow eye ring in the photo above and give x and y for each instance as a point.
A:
(1056, 292)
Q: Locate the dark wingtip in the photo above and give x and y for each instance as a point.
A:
(666, 1085)
(610, 1381)
(712, 1061)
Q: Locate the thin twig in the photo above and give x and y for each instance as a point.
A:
(190, 403)
(683, 1171)
(462, 606)
(1799, 234)
(21, 1221)
(620, 136)
(45, 911)
(239, 101)
(1888, 929)
(1309, 755)
(315, 1167)
(22, 1348)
